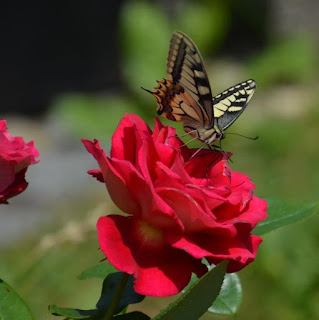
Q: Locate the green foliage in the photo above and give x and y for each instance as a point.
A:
(112, 282)
(93, 314)
(286, 269)
(210, 23)
(144, 39)
(198, 298)
(288, 60)
(132, 316)
(282, 213)
(92, 116)
(129, 296)
(229, 298)
(100, 270)
(12, 307)
(70, 313)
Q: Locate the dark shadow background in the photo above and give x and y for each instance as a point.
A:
(53, 47)
(50, 48)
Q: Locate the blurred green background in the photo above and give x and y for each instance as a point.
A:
(238, 40)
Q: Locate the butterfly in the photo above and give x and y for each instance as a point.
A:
(186, 95)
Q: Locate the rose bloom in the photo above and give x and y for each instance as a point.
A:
(179, 208)
(15, 157)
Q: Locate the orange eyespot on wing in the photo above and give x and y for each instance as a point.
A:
(176, 104)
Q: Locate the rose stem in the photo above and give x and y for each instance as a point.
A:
(117, 297)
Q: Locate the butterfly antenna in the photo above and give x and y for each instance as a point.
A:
(149, 91)
(240, 135)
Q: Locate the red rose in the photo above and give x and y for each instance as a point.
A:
(15, 157)
(180, 208)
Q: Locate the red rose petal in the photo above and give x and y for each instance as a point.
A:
(185, 206)
(115, 184)
(192, 216)
(15, 157)
(133, 128)
(97, 174)
(18, 185)
(114, 234)
(6, 174)
(158, 271)
(254, 212)
(240, 256)
(163, 275)
(152, 207)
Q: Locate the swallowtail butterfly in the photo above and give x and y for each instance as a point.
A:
(186, 94)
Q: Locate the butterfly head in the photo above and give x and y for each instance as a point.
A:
(219, 136)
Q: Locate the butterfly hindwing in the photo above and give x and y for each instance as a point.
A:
(176, 104)
(232, 102)
(185, 66)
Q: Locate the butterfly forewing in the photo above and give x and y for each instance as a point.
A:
(229, 104)
(185, 66)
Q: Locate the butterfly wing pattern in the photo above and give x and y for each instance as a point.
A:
(186, 95)
(185, 66)
(229, 104)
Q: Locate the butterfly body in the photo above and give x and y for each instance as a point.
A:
(186, 95)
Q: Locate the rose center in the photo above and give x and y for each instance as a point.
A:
(150, 235)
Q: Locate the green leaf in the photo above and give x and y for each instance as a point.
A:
(100, 270)
(129, 295)
(72, 313)
(132, 316)
(229, 298)
(12, 307)
(110, 284)
(282, 213)
(195, 302)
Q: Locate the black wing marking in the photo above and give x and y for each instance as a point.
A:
(232, 102)
(185, 66)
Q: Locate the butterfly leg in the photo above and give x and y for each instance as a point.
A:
(183, 135)
(186, 143)
(199, 149)
(219, 147)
